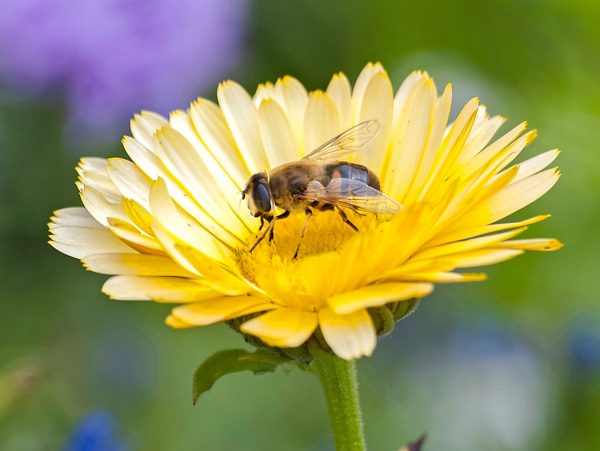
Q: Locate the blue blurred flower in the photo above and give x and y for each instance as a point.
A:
(584, 351)
(114, 57)
(95, 432)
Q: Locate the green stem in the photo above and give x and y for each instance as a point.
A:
(338, 378)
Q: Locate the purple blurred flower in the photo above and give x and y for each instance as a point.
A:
(114, 57)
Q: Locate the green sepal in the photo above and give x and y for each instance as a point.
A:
(233, 361)
(385, 317)
(404, 308)
(383, 320)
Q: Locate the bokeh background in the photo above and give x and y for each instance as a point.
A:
(512, 363)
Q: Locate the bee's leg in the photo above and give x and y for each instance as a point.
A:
(269, 229)
(309, 213)
(346, 220)
(264, 219)
(272, 234)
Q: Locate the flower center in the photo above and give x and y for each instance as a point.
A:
(325, 232)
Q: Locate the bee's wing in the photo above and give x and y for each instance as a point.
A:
(353, 194)
(345, 143)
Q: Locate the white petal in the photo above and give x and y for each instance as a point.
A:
(405, 90)
(79, 242)
(277, 134)
(144, 125)
(358, 93)
(73, 216)
(229, 187)
(535, 164)
(377, 103)
(242, 118)
(409, 146)
(321, 122)
(211, 126)
(293, 98)
(434, 141)
(101, 208)
(131, 182)
(350, 336)
(134, 265)
(182, 160)
(340, 91)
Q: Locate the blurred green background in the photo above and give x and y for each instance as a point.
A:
(512, 363)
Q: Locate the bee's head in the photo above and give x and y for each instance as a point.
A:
(258, 192)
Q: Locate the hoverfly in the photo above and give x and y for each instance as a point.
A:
(319, 181)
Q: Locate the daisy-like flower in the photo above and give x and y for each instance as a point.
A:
(169, 225)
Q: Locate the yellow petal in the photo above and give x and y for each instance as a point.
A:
(463, 233)
(466, 245)
(138, 215)
(221, 277)
(176, 323)
(220, 309)
(532, 244)
(189, 231)
(483, 131)
(483, 257)
(377, 295)
(282, 327)
(133, 237)
(443, 277)
(159, 289)
(350, 336)
(519, 194)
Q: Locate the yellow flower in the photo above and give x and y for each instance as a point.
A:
(171, 227)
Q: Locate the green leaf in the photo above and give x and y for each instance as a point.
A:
(233, 361)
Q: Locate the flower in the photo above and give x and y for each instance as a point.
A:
(113, 57)
(170, 225)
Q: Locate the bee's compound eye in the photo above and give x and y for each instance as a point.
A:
(261, 197)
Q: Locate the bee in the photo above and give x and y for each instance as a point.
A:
(320, 181)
